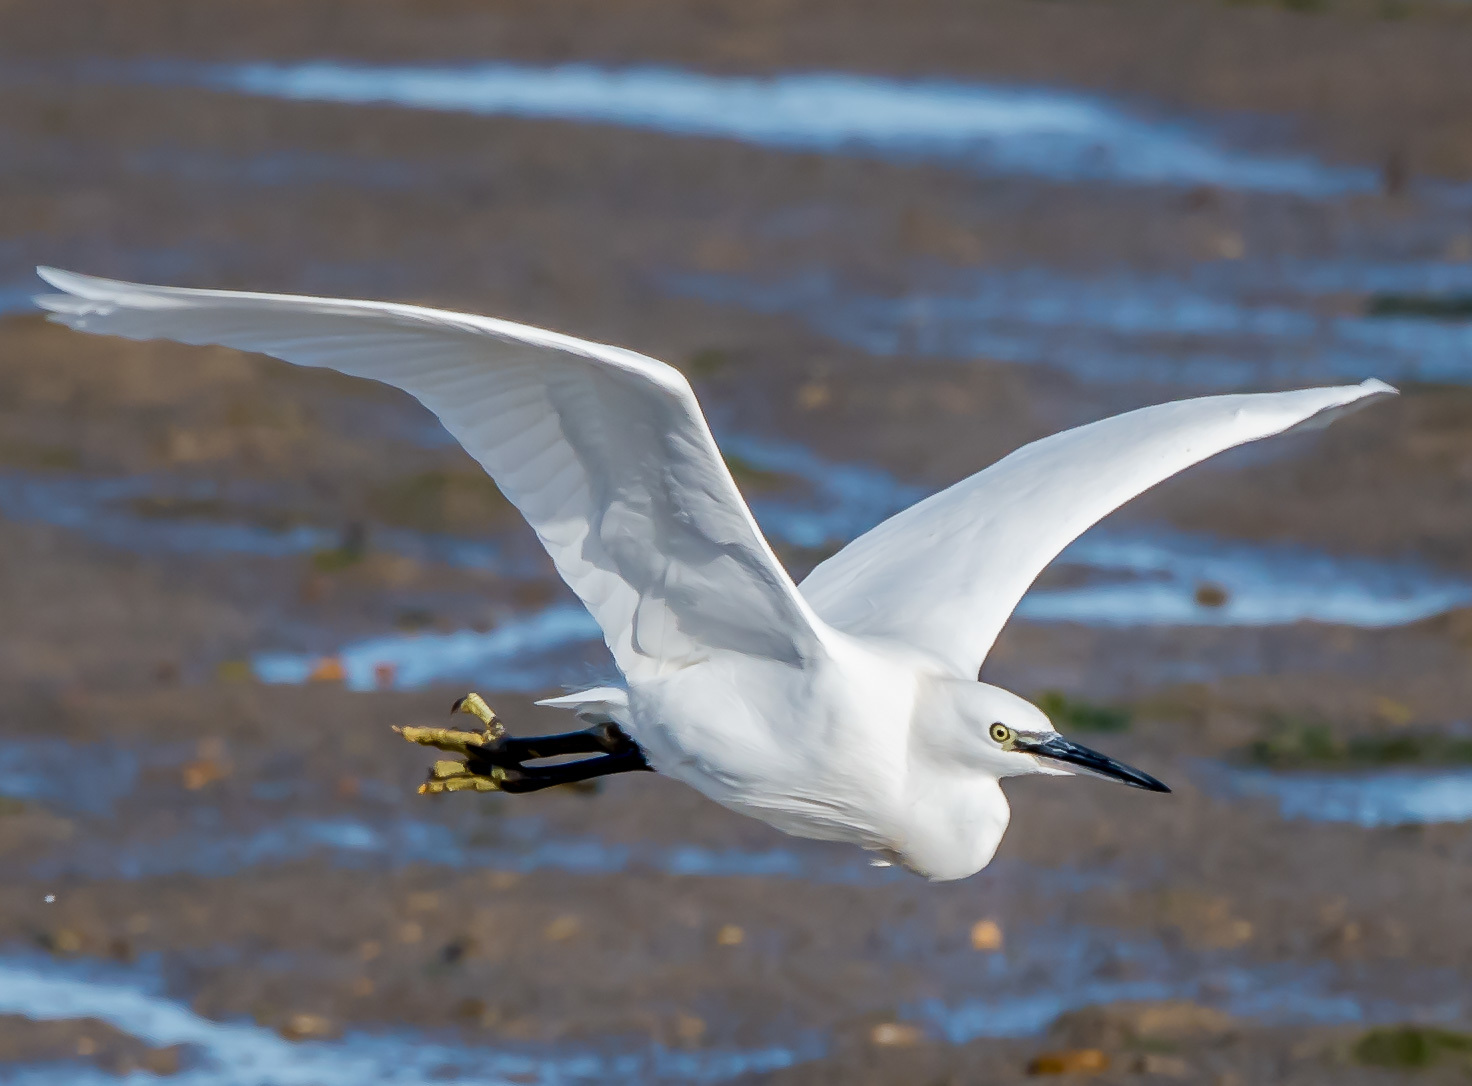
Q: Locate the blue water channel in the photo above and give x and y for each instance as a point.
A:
(1123, 578)
(241, 1053)
(1223, 325)
(1047, 133)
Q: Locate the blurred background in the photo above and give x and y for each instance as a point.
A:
(888, 244)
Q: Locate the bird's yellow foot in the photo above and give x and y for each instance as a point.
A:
(448, 776)
(476, 706)
(496, 762)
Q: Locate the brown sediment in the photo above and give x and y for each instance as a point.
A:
(573, 226)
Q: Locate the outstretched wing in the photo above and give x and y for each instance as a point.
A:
(604, 451)
(944, 575)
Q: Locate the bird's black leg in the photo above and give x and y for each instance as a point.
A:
(495, 762)
(605, 738)
(535, 778)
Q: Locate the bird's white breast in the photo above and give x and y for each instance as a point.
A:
(819, 751)
(827, 751)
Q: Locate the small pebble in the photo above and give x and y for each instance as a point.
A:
(63, 941)
(562, 928)
(329, 669)
(689, 1028)
(1158, 1063)
(300, 1027)
(986, 935)
(895, 1035)
(201, 774)
(234, 671)
(1209, 594)
(1075, 1061)
(814, 395)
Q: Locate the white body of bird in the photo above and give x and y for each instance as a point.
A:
(846, 710)
(864, 743)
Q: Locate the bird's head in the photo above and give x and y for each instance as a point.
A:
(1002, 735)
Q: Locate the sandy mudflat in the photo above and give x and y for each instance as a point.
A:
(245, 882)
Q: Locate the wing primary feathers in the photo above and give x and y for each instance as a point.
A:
(944, 575)
(603, 450)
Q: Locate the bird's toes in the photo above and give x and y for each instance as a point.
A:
(448, 776)
(479, 773)
(476, 706)
(450, 740)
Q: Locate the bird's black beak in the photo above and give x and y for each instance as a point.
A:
(1090, 761)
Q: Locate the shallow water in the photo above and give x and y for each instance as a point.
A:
(16, 299)
(1130, 581)
(1131, 577)
(1127, 578)
(1261, 585)
(271, 170)
(1048, 967)
(88, 779)
(1056, 970)
(1044, 972)
(100, 782)
(399, 842)
(240, 1053)
(520, 653)
(1378, 799)
(97, 508)
(1224, 325)
(1008, 130)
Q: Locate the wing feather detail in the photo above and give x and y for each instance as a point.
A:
(944, 575)
(604, 451)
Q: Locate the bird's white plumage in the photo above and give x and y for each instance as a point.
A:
(944, 575)
(604, 451)
(844, 711)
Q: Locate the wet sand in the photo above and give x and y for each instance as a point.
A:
(246, 888)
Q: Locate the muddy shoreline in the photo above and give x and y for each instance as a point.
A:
(244, 882)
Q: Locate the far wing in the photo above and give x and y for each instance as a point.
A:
(604, 451)
(944, 575)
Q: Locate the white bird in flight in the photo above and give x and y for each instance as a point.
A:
(846, 708)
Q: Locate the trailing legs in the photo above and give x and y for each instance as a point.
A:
(495, 762)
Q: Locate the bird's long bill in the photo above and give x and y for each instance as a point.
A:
(1090, 761)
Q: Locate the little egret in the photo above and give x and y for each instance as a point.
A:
(847, 708)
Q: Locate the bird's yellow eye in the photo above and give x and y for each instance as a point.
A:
(1001, 733)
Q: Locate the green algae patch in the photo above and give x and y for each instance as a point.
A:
(164, 507)
(1301, 744)
(751, 478)
(1445, 307)
(1411, 1047)
(441, 501)
(1075, 714)
(706, 362)
(28, 456)
(352, 550)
